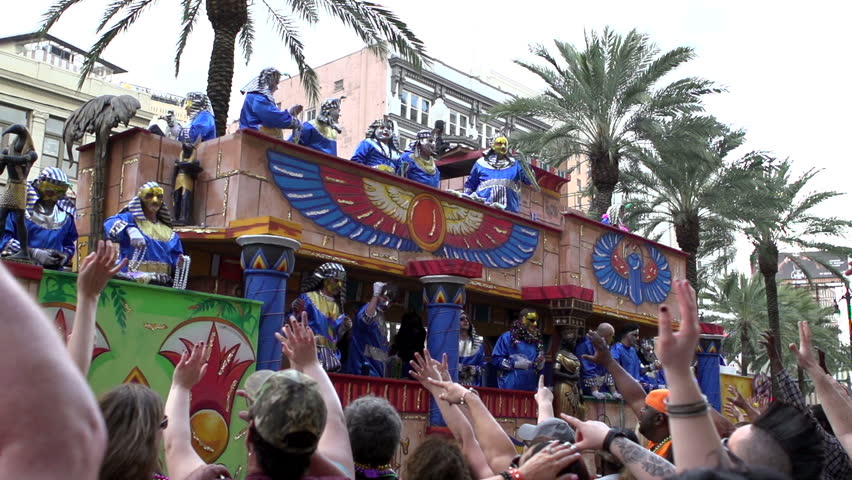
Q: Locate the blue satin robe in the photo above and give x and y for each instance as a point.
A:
(628, 358)
(369, 153)
(203, 125)
(483, 179)
(259, 111)
(414, 172)
(476, 360)
(320, 323)
(312, 138)
(157, 251)
(513, 378)
(61, 239)
(590, 368)
(368, 342)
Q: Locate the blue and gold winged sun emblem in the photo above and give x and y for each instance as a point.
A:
(631, 268)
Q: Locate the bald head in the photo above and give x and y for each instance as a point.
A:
(606, 331)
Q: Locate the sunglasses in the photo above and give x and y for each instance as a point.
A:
(165, 423)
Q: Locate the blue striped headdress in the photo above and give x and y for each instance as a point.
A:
(137, 209)
(52, 175)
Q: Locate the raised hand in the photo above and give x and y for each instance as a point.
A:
(805, 353)
(602, 354)
(546, 464)
(767, 339)
(736, 398)
(443, 368)
(97, 269)
(192, 366)
(732, 411)
(452, 393)
(298, 342)
(423, 369)
(543, 394)
(590, 434)
(676, 350)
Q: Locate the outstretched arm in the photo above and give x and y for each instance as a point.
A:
(95, 271)
(544, 400)
(628, 387)
(33, 423)
(181, 459)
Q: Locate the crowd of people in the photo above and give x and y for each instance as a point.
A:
(297, 428)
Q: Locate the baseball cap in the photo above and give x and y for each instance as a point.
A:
(656, 399)
(287, 409)
(554, 428)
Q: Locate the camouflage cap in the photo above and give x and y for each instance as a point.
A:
(287, 409)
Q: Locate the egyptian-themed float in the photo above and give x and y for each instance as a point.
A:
(226, 237)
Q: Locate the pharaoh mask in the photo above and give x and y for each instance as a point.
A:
(425, 143)
(500, 145)
(530, 320)
(386, 297)
(152, 197)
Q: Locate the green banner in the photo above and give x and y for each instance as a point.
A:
(142, 331)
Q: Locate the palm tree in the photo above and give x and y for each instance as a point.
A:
(738, 303)
(685, 181)
(785, 218)
(376, 25)
(601, 101)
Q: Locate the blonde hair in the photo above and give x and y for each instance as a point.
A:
(133, 414)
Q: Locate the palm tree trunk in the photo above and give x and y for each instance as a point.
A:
(96, 217)
(605, 176)
(767, 260)
(688, 233)
(227, 18)
(745, 351)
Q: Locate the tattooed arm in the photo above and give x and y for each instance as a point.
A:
(642, 463)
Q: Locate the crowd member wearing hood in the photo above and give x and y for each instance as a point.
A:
(260, 110)
(202, 122)
(471, 354)
(321, 134)
(368, 349)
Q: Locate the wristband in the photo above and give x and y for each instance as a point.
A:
(469, 390)
(612, 435)
(687, 410)
(506, 475)
(516, 474)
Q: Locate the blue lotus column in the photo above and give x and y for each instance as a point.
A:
(709, 354)
(444, 297)
(268, 261)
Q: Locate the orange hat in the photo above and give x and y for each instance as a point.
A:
(656, 399)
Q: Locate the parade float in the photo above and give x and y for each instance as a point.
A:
(258, 213)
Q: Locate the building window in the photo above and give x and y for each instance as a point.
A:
(458, 124)
(53, 152)
(414, 108)
(488, 133)
(310, 114)
(8, 117)
(338, 85)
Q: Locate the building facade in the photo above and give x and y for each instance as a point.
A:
(38, 88)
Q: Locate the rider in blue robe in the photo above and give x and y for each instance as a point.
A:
(519, 354)
(49, 221)
(496, 178)
(379, 149)
(368, 349)
(624, 352)
(322, 298)
(471, 354)
(202, 123)
(321, 134)
(418, 163)
(259, 107)
(143, 230)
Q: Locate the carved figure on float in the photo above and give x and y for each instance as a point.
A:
(379, 150)
(471, 354)
(49, 224)
(519, 353)
(18, 159)
(566, 374)
(321, 133)
(368, 350)
(496, 178)
(260, 112)
(418, 162)
(143, 229)
(202, 121)
(323, 295)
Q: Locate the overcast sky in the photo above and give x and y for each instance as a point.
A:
(786, 67)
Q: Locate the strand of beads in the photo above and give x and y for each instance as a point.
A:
(182, 272)
(136, 259)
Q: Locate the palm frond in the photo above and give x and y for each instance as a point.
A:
(305, 9)
(247, 37)
(111, 11)
(52, 15)
(286, 29)
(190, 16)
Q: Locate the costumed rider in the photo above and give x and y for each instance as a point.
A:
(624, 352)
(566, 374)
(418, 162)
(597, 381)
(379, 150)
(471, 354)
(323, 294)
(49, 221)
(321, 133)
(496, 178)
(519, 354)
(368, 349)
(143, 230)
(260, 112)
(202, 122)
